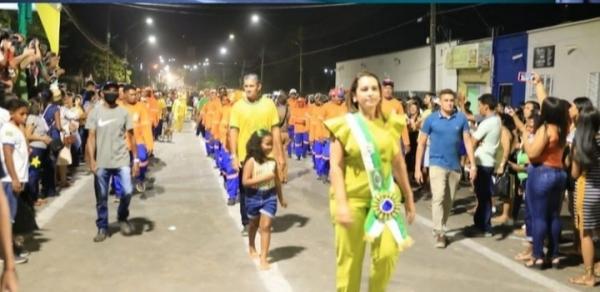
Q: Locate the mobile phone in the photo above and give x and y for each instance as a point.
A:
(525, 76)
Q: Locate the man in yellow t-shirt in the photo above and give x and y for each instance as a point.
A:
(247, 116)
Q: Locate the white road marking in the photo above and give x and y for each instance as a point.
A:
(44, 216)
(272, 279)
(511, 265)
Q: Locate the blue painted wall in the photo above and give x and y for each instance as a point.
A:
(506, 69)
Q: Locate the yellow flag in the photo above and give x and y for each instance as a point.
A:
(50, 15)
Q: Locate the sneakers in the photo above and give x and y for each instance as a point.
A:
(126, 228)
(440, 241)
(140, 187)
(20, 259)
(230, 202)
(101, 235)
(245, 230)
(20, 251)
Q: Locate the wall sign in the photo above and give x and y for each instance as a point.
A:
(543, 57)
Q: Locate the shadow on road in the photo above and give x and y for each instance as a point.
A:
(285, 253)
(298, 174)
(139, 225)
(287, 221)
(33, 242)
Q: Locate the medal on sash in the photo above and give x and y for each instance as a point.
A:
(385, 209)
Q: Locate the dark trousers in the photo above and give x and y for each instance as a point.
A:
(38, 162)
(243, 212)
(483, 189)
(545, 187)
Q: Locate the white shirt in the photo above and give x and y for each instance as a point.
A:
(488, 132)
(12, 135)
(4, 116)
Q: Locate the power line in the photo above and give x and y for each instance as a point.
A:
(179, 8)
(84, 32)
(398, 26)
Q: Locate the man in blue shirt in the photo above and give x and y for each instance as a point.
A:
(447, 129)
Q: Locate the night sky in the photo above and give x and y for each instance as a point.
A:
(190, 33)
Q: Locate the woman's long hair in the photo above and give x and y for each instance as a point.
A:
(353, 106)
(254, 148)
(555, 111)
(582, 103)
(585, 142)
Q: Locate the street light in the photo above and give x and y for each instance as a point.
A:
(206, 60)
(231, 36)
(223, 51)
(149, 21)
(152, 39)
(255, 18)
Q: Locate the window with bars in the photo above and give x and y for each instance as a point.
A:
(593, 91)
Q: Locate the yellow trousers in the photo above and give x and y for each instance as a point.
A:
(178, 123)
(350, 251)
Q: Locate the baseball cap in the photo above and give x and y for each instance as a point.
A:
(387, 82)
(293, 91)
(110, 86)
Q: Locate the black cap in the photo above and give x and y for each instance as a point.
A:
(109, 85)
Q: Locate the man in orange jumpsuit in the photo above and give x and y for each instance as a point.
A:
(389, 104)
(299, 118)
(336, 107)
(142, 131)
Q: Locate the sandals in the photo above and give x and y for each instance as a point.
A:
(523, 256)
(587, 279)
(535, 263)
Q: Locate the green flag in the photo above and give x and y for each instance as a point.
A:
(24, 17)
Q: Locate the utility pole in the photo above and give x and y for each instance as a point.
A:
(126, 51)
(301, 68)
(108, 44)
(242, 73)
(262, 63)
(432, 37)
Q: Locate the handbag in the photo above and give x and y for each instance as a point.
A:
(55, 146)
(502, 185)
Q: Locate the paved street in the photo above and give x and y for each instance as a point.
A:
(187, 239)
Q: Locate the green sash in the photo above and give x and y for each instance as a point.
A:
(385, 210)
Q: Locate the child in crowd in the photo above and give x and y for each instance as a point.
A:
(15, 157)
(262, 183)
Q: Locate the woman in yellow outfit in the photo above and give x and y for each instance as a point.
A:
(350, 195)
(179, 109)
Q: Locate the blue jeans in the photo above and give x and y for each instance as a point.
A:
(261, 202)
(483, 189)
(545, 187)
(101, 183)
(11, 199)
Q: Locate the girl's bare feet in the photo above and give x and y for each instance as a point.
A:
(253, 253)
(264, 264)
